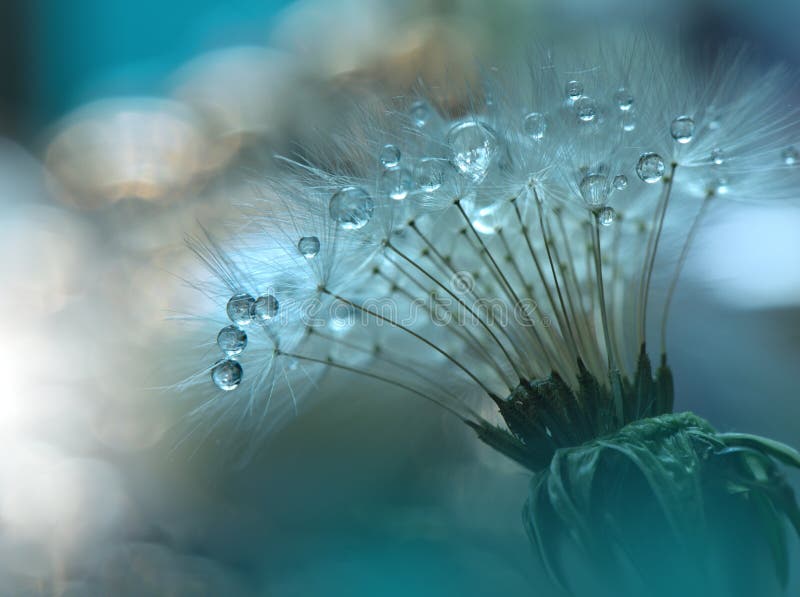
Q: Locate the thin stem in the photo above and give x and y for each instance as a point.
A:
(652, 251)
(331, 363)
(679, 267)
(414, 334)
(598, 266)
(450, 293)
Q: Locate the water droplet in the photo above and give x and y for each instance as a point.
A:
(606, 216)
(682, 129)
(474, 145)
(308, 246)
(586, 109)
(790, 156)
(620, 182)
(629, 122)
(227, 375)
(574, 89)
(623, 99)
(720, 186)
(390, 156)
(650, 167)
(594, 189)
(238, 308)
(420, 113)
(484, 213)
(351, 208)
(231, 340)
(718, 156)
(264, 308)
(397, 183)
(535, 125)
(430, 174)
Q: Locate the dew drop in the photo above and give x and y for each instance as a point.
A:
(397, 183)
(594, 189)
(231, 340)
(420, 113)
(430, 174)
(390, 156)
(227, 375)
(574, 89)
(790, 156)
(623, 99)
(628, 122)
(351, 208)
(718, 157)
(264, 308)
(238, 308)
(682, 129)
(474, 146)
(620, 182)
(308, 246)
(586, 109)
(535, 125)
(650, 167)
(606, 216)
(484, 213)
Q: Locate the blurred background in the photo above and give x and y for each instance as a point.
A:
(123, 127)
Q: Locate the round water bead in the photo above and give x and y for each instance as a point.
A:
(238, 308)
(718, 157)
(232, 340)
(623, 99)
(397, 183)
(586, 109)
(594, 189)
(308, 246)
(650, 167)
(227, 375)
(420, 113)
(390, 156)
(606, 216)
(351, 208)
(264, 308)
(430, 174)
(474, 145)
(629, 122)
(790, 156)
(682, 129)
(620, 182)
(535, 125)
(574, 89)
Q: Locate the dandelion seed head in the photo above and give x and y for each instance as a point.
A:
(481, 256)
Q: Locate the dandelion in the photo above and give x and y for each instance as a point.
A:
(500, 263)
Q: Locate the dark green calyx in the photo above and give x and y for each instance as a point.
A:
(665, 506)
(545, 415)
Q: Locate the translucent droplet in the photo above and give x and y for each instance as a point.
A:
(628, 122)
(586, 109)
(606, 216)
(718, 156)
(389, 157)
(594, 189)
(227, 375)
(430, 174)
(474, 146)
(721, 186)
(231, 340)
(790, 156)
(650, 167)
(264, 308)
(574, 89)
(620, 182)
(534, 125)
(420, 113)
(351, 208)
(308, 246)
(623, 99)
(682, 129)
(397, 183)
(484, 213)
(238, 308)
